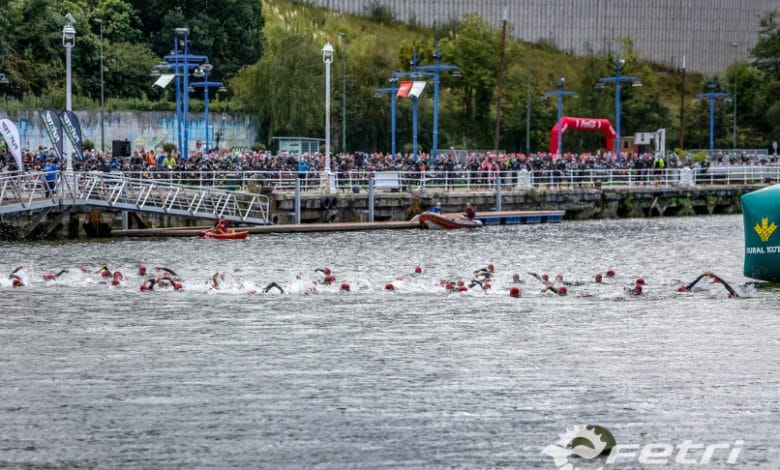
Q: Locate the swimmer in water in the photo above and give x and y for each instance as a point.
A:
(104, 271)
(15, 278)
(51, 276)
(167, 270)
(484, 273)
(273, 285)
(715, 278)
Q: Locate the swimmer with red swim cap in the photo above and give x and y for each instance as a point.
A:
(52, 276)
(715, 278)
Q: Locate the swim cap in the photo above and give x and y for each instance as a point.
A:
(49, 277)
(638, 289)
(641, 281)
(460, 283)
(486, 286)
(389, 286)
(490, 267)
(516, 277)
(143, 287)
(463, 289)
(559, 277)
(562, 290)
(115, 282)
(17, 282)
(610, 273)
(545, 277)
(514, 292)
(598, 277)
(142, 270)
(105, 273)
(118, 275)
(682, 289)
(326, 271)
(329, 279)
(418, 269)
(345, 287)
(177, 285)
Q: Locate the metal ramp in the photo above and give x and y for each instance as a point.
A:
(21, 192)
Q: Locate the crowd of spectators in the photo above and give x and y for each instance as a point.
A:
(155, 163)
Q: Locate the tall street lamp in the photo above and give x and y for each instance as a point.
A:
(68, 40)
(102, 96)
(560, 93)
(327, 58)
(735, 45)
(181, 62)
(436, 70)
(711, 96)
(203, 71)
(618, 78)
(343, 92)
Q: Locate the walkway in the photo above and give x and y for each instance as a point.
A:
(21, 192)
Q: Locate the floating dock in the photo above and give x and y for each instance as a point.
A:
(487, 218)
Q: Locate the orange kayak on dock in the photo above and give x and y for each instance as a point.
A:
(225, 236)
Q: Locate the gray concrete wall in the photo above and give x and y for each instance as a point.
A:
(142, 129)
(663, 30)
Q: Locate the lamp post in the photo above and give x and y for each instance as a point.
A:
(618, 78)
(182, 62)
(560, 93)
(102, 95)
(392, 91)
(327, 58)
(203, 71)
(711, 95)
(734, 137)
(342, 35)
(436, 70)
(68, 40)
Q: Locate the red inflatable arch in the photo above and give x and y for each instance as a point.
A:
(583, 124)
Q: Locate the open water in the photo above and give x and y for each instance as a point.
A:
(101, 376)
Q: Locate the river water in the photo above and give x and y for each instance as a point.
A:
(95, 375)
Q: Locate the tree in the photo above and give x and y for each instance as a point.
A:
(766, 53)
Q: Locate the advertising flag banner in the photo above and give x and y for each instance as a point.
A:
(54, 128)
(417, 89)
(403, 89)
(11, 136)
(72, 128)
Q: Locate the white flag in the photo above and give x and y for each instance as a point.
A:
(164, 80)
(11, 136)
(417, 89)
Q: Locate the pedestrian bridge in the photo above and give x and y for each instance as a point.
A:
(20, 192)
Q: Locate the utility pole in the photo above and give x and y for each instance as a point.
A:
(343, 92)
(500, 90)
(682, 106)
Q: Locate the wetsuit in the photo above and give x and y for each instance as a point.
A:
(272, 286)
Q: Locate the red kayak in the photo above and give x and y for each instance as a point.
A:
(225, 236)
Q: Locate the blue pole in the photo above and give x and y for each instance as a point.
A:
(712, 123)
(186, 102)
(617, 111)
(437, 56)
(206, 99)
(414, 127)
(178, 95)
(560, 118)
(392, 124)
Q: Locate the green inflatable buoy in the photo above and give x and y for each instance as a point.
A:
(761, 216)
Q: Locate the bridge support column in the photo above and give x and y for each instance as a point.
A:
(371, 199)
(297, 201)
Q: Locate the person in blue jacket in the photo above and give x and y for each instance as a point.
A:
(436, 208)
(50, 172)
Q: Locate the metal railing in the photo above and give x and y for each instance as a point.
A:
(257, 181)
(31, 191)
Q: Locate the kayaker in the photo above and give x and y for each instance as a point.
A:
(222, 226)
